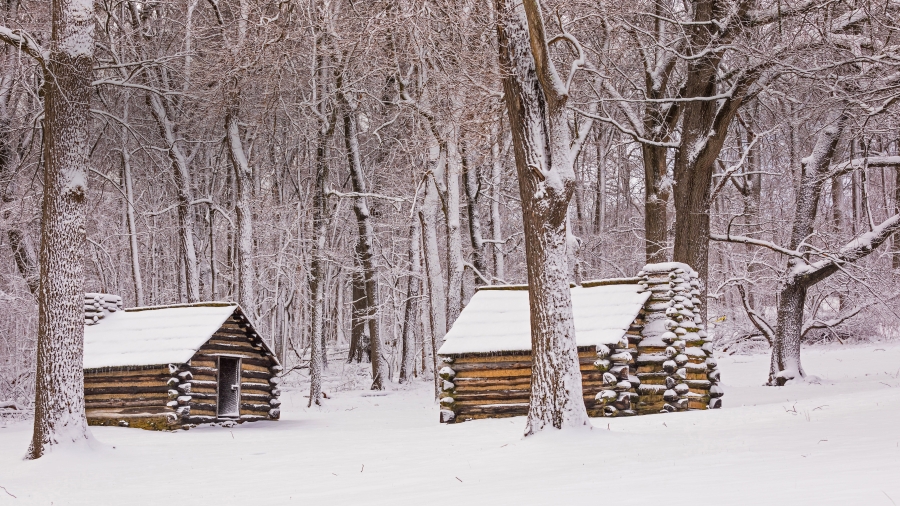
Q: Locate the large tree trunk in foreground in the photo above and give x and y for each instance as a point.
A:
(536, 103)
(59, 387)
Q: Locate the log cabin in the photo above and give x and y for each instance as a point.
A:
(170, 367)
(641, 345)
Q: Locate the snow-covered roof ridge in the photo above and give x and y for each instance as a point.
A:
(154, 335)
(499, 320)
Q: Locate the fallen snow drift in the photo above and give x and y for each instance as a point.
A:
(836, 442)
(499, 320)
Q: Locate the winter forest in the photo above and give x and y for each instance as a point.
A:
(353, 173)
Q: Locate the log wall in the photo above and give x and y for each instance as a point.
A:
(130, 396)
(259, 375)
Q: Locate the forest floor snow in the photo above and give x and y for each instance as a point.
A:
(835, 442)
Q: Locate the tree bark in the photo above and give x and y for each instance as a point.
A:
(365, 246)
(455, 263)
(496, 220)
(320, 233)
(656, 202)
(785, 363)
(359, 339)
(132, 227)
(59, 381)
(536, 103)
(243, 185)
(411, 309)
(473, 197)
(428, 216)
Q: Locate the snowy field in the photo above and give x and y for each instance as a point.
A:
(837, 442)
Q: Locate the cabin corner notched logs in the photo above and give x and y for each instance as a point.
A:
(662, 361)
(127, 391)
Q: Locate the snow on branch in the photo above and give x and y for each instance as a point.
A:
(759, 17)
(859, 163)
(861, 246)
(22, 40)
(758, 321)
(755, 242)
(333, 193)
(834, 322)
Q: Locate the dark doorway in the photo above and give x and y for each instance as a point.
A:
(229, 386)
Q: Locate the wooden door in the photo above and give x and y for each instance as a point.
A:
(229, 404)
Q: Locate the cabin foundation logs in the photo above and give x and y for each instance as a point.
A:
(662, 364)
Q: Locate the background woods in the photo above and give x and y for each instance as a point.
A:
(347, 171)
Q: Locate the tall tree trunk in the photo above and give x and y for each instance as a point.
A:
(703, 131)
(411, 309)
(428, 216)
(536, 103)
(243, 183)
(785, 363)
(600, 205)
(184, 194)
(359, 337)
(455, 262)
(895, 259)
(132, 228)
(318, 267)
(656, 201)
(59, 381)
(473, 197)
(365, 246)
(318, 259)
(496, 219)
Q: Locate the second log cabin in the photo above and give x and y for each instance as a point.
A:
(169, 367)
(641, 346)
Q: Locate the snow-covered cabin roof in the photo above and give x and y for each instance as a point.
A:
(499, 320)
(153, 335)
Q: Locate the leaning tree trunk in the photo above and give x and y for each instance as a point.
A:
(59, 382)
(184, 193)
(785, 364)
(536, 104)
(365, 246)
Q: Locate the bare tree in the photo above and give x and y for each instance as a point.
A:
(536, 96)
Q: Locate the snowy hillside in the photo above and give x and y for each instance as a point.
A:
(837, 442)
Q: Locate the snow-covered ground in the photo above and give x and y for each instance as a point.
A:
(837, 442)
